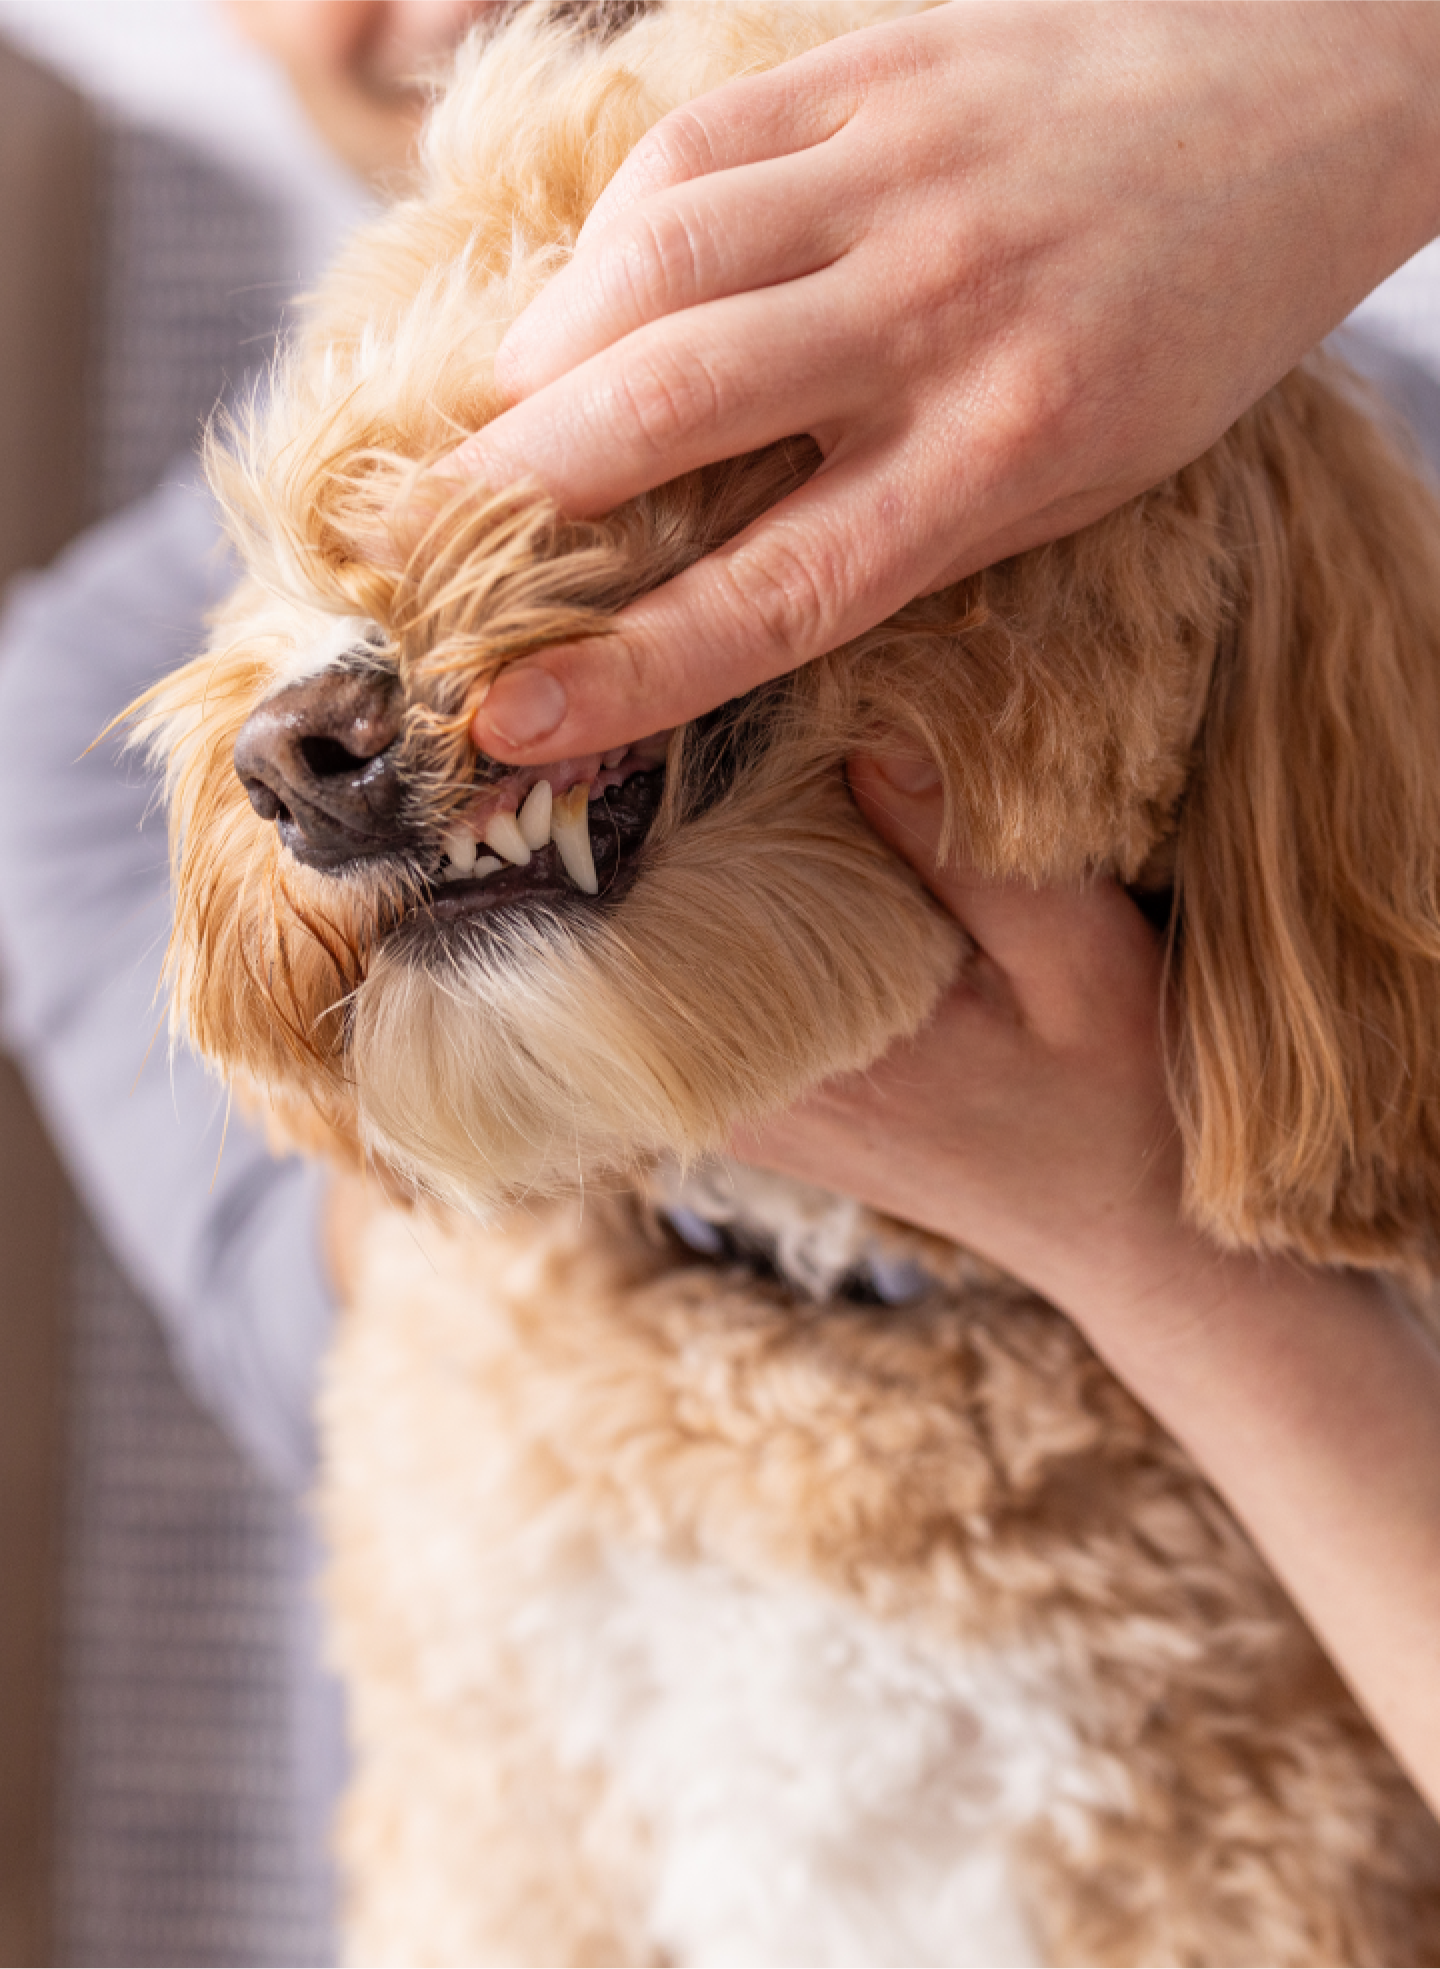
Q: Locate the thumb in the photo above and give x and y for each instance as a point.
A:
(786, 589)
(900, 793)
(1056, 947)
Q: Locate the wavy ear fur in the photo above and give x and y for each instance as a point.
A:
(1308, 1068)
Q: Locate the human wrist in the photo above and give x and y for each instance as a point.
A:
(1200, 1334)
(1411, 33)
(1326, 137)
(1371, 82)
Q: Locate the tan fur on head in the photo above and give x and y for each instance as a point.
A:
(1308, 872)
(1239, 672)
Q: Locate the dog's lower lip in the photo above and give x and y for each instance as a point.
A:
(620, 821)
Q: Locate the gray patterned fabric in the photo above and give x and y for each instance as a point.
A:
(199, 1743)
(191, 1819)
(194, 271)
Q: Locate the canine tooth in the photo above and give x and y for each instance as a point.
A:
(533, 818)
(486, 865)
(570, 831)
(615, 755)
(502, 833)
(460, 847)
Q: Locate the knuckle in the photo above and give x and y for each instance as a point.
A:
(846, 73)
(669, 398)
(679, 147)
(515, 372)
(791, 591)
(657, 265)
(1044, 399)
(615, 686)
(633, 679)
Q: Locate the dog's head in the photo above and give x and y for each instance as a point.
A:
(498, 980)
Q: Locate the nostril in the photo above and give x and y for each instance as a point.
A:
(327, 758)
(264, 799)
(320, 759)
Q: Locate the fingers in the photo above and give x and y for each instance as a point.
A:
(791, 108)
(1075, 957)
(878, 524)
(797, 583)
(675, 395)
(740, 231)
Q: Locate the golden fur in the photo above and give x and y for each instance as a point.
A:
(968, 1470)
(1231, 687)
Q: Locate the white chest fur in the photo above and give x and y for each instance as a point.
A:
(688, 1622)
(704, 1756)
(821, 1787)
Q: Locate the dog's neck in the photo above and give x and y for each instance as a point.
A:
(826, 1247)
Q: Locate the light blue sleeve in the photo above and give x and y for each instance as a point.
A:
(225, 1245)
(1393, 340)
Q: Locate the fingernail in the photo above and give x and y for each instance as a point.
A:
(907, 772)
(525, 704)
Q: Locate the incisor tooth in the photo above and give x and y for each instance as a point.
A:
(460, 848)
(502, 833)
(570, 831)
(534, 817)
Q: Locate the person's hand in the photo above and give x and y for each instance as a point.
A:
(1030, 1120)
(1007, 265)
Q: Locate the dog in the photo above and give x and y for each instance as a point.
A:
(721, 1572)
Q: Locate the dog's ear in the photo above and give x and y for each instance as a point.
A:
(1307, 1070)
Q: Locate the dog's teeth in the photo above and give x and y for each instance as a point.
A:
(502, 833)
(486, 865)
(460, 847)
(613, 757)
(570, 831)
(534, 817)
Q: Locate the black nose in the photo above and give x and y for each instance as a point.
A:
(318, 758)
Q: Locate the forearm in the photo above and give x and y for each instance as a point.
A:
(1312, 1402)
(1030, 1123)
(1359, 88)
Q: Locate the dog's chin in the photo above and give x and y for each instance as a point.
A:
(543, 1041)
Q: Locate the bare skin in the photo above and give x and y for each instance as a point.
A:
(1030, 1122)
(1008, 265)
(356, 67)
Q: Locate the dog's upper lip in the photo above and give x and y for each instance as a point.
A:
(506, 787)
(620, 819)
(514, 814)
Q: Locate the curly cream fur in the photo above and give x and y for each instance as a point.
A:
(564, 1393)
(1231, 686)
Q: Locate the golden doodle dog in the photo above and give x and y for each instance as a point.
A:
(720, 1573)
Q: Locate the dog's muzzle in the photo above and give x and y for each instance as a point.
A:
(321, 759)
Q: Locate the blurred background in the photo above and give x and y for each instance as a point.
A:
(169, 1746)
(162, 197)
